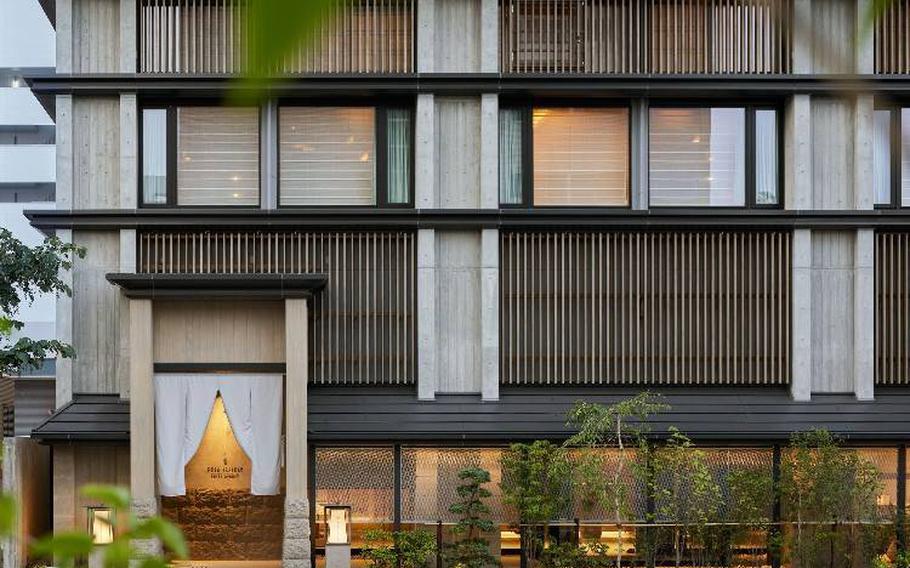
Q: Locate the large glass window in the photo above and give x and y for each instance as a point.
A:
(891, 157)
(702, 156)
(578, 156)
(200, 156)
(345, 156)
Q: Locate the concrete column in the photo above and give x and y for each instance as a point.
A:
(64, 483)
(64, 138)
(803, 37)
(489, 319)
(142, 414)
(64, 28)
(863, 130)
(489, 36)
(129, 156)
(639, 155)
(296, 553)
(268, 142)
(864, 315)
(489, 151)
(864, 45)
(426, 24)
(801, 380)
(63, 325)
(128, 39)
(426, 314)
(425, 152)
(127, 265)
(798, 153)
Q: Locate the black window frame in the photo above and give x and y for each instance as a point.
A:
(526, 108)
(896, 151)
(751, 197)
(171, 109)
(380, 139)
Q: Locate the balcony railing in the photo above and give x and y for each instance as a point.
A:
(892, 48)
(645, 36)
(892, 308)
(363, 327)
(211, 36)
(668, 308)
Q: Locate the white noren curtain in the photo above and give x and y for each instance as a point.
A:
(183, 405)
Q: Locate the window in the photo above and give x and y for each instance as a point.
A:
(891, 157)
(200, 156)
(703, 156)
(345, 156)
(564, 156)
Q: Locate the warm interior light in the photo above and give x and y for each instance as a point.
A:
(102, 529)
(337, 522)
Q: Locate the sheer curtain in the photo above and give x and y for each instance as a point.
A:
(154, 156)
(399, 158)
(766, 144)
(881, 157)
(510, 174)
(905, 157)
(183, 405)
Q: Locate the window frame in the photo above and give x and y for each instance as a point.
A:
(171, 109)
(526, 107)
(750, 198)
(896, 151)
(380, 107)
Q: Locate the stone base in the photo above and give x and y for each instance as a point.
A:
(296, 550)
(143, 509)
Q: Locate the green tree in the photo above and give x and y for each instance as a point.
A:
(599, 430)
(536, 481)
(25, 273)
(826, 488)
(70, 548)
(401, 549)
(685, 491)
(471, 549)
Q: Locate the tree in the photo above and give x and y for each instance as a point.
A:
(685, 492)
(399, 549)
(536, 480)
(471, 550)
(25, 273)
(823, 486)
(602, 428)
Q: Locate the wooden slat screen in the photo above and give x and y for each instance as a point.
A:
(892, 308)
(363, 328)
(892, 47)
(645, 36)
(210, 36)
(659, 308)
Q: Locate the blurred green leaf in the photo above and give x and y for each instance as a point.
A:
(117, 554)
(111, 495)
(153, 562)
(7, 514)
(64, 546)
(169, 535)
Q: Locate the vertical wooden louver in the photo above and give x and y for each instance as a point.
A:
(363, 322)
(212, 36)
(645, 308)
(645, 36)
(892, 39)
(892, 308)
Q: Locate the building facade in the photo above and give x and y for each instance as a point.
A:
(449, 221)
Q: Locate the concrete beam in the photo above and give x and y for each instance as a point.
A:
(129, 151)
(489, 151)
(864, 315)
(798, 153)
(296, 549)
(425, 152)
(426, 314)
(801, 346)
(489, 319)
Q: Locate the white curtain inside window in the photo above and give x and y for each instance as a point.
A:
(905, 157)
(154, 156)
(399, 159)
(881, 157)
(766, 177)
(510, 174)
(183, 404)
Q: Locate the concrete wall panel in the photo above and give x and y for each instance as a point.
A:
(832, 311)
(96, 153)
(458, 311)
(458, 145)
